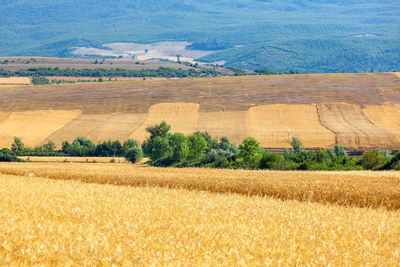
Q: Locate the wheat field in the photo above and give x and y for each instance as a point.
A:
(68, 222)
(364, 189)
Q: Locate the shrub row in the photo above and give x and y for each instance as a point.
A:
(166, 149)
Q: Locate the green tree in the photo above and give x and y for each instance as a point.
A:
(372, 159)
(134, 154)
(161, 152)
(339, 150)
(197, 146)
(270, 160)
(180, 147)
(161, 130)
(49, 147)
(250, 152)
(18, 146)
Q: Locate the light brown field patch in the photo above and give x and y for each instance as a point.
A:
(224, 123)
(182, 117)
(33, 126)
(353, 128)
(386, 117)
(117, 127)
(15, 81)
(81, 126)
(275, 125)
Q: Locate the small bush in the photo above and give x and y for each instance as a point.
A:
(372, 159)
(270, 160)
(134, 154)
(7, 156)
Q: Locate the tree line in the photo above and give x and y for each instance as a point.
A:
(166, 149)
(117, 72)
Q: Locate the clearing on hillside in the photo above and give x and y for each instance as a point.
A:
(33, 126)
(352, 127)
(386, 117)
(182, 117)
(15, 81)
(224, 123)
(275, 125)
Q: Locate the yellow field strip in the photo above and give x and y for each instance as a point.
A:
(15, 81)
(224, 123)
(274, 126)
(48, 222)
(182, 117)
(33, 126)
(386, 117)
(359, 189)
(76, 159)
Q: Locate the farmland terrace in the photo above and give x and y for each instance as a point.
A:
(358, 111)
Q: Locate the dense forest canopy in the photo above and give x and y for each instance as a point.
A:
(300, 35)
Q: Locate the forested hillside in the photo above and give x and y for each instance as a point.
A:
(301, 35)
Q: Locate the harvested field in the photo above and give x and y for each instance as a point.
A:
(213, 94)
(352, 127)
(234, 96)
(182, 117)
(275, 125)
(4, 116)
(75, 159)
(117, 127)
(33, 126)
(49, 222)
(353, 189)
(98, 128)
(80, 126)
(15, 81)
(386, 117)
(224, 123)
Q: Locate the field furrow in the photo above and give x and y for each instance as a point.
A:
(352, 127)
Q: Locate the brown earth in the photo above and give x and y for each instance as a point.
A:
(213, 94)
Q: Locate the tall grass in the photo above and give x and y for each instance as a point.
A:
(356, 189)
(56, 222)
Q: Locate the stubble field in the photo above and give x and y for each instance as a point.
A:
(123, 214)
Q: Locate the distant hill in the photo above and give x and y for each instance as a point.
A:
(299, 36)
